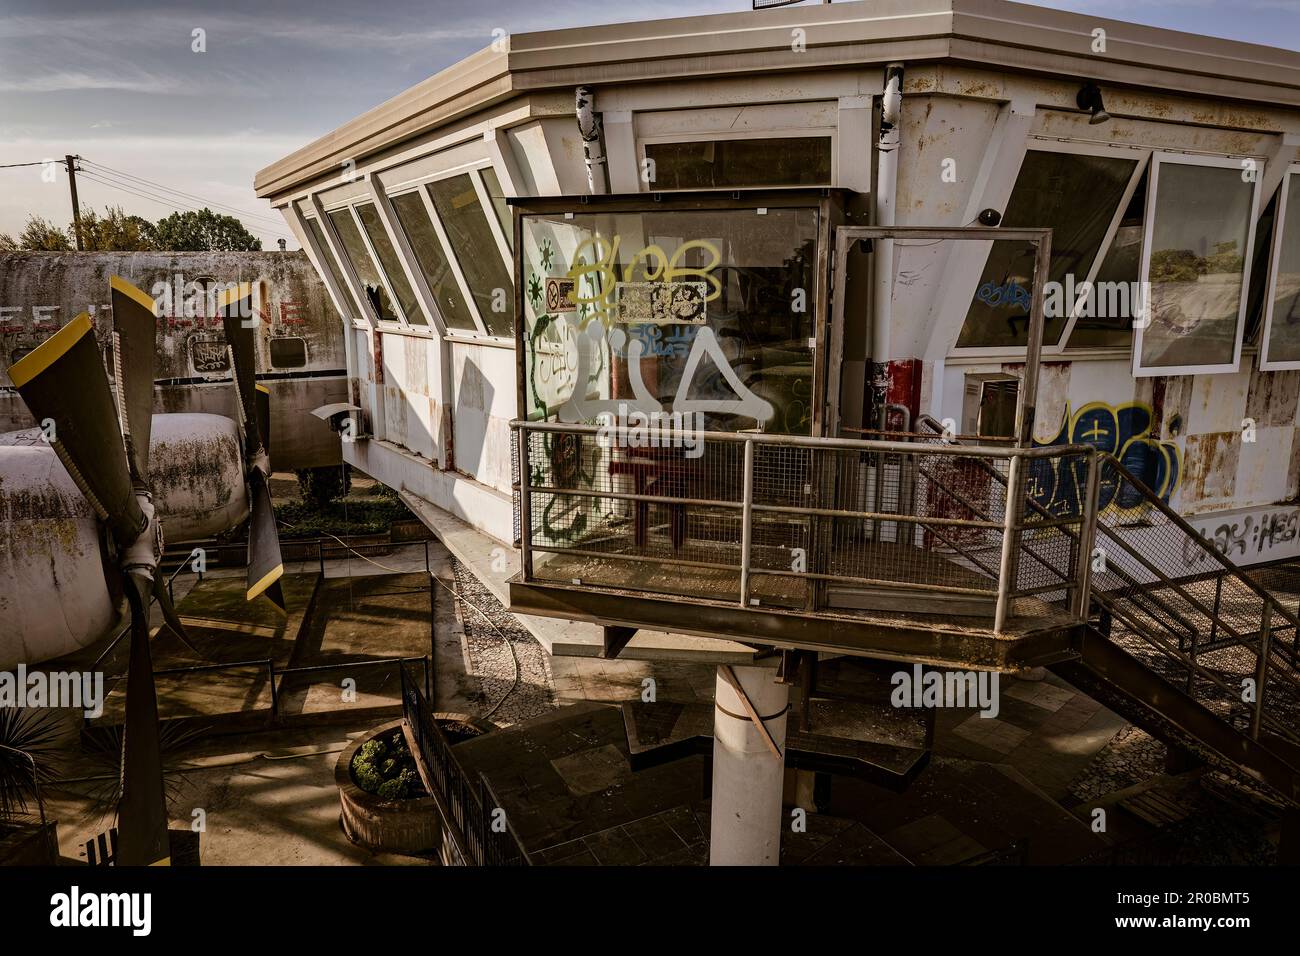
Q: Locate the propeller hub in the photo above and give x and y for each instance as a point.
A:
(143, 554)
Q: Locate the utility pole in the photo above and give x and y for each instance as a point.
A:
(72, 185)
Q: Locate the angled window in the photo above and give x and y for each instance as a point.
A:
(1078, 196)
(1104, 320)
(475, 248)
(354, 247)
(1280, 345)
(432, 259)
(392, 266)
(726, 163)
(493, 185)
(331, 264)
(1200, 223)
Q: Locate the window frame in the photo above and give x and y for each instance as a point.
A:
(350, 204)
(1142, 157)
(479, 334)
(1270, 283)
(1222, 161)
(829, 133)
(324, 256)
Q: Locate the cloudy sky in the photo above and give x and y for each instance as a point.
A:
(119, 84)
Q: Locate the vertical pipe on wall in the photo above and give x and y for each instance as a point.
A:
(593, 141)
(887, 146)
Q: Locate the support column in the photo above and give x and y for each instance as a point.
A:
(747, 774)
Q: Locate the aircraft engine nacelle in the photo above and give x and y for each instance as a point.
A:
(197, 471)
(52, 558)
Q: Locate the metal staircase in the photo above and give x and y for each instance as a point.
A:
(1179, 640)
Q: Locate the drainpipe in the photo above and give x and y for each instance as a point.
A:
(891, 108)
(593, 139)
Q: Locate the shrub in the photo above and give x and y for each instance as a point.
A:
(397, 789)
(365, 774)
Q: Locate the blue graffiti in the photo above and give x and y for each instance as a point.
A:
(1012, 295)
(676, 342)
(1124, 431)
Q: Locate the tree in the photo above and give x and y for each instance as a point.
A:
(115, 231)
(204, 231)
(40, 235)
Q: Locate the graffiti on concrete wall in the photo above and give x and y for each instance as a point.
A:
(1121, 430)
(1248, 539)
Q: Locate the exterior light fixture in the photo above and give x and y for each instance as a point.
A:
(1089, 99)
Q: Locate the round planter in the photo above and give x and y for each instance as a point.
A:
(410, 826)
(397, 826)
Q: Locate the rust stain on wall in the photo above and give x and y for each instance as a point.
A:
(1210, 465)
(1273, 398)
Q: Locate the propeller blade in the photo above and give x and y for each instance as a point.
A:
(63, 381)
(236, 309)
(263, 398)
(173, 619)
(133, 355)
(142, 809)
(264, 563)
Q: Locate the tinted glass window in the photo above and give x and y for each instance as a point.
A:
(784, 161)
(392, 265)
(432, 259)
(354, 247)
(476, 251)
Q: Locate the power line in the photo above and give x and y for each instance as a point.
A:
(182, 199)
(43, 162)
(110, 172)
(164, 200)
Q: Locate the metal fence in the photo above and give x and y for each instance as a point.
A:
(476, 831)
(787, 521)
(1175, 601)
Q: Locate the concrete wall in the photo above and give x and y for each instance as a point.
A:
(42, 291)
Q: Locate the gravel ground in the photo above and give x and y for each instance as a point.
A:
(493, 662)
(1131, 757)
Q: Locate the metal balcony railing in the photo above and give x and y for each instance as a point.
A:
(802, 523)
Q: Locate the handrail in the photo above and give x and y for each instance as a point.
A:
(1179, 521)
(1154, 499)
(831, 501)
(807, 441)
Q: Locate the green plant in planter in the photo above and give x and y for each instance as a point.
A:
(364, 773)
(395, 789)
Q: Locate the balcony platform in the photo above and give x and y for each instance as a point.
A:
(1038, 634)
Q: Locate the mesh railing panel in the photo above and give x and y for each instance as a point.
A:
(1198, 623)
(671, 518)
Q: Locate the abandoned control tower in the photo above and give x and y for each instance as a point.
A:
(958, 333)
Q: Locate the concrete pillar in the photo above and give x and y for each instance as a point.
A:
(747, 777)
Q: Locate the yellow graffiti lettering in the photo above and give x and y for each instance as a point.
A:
(601, 272)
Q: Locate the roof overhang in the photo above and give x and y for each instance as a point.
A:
(992, 34)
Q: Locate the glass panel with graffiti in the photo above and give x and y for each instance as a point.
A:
(1199, 234)
(392, 265)
(331, 263)
(476, 250)
(415, 222)
(1284, 321)
(1074, 196)
(715, 164)
(656, 326)
(705, 312)
(354, 247)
